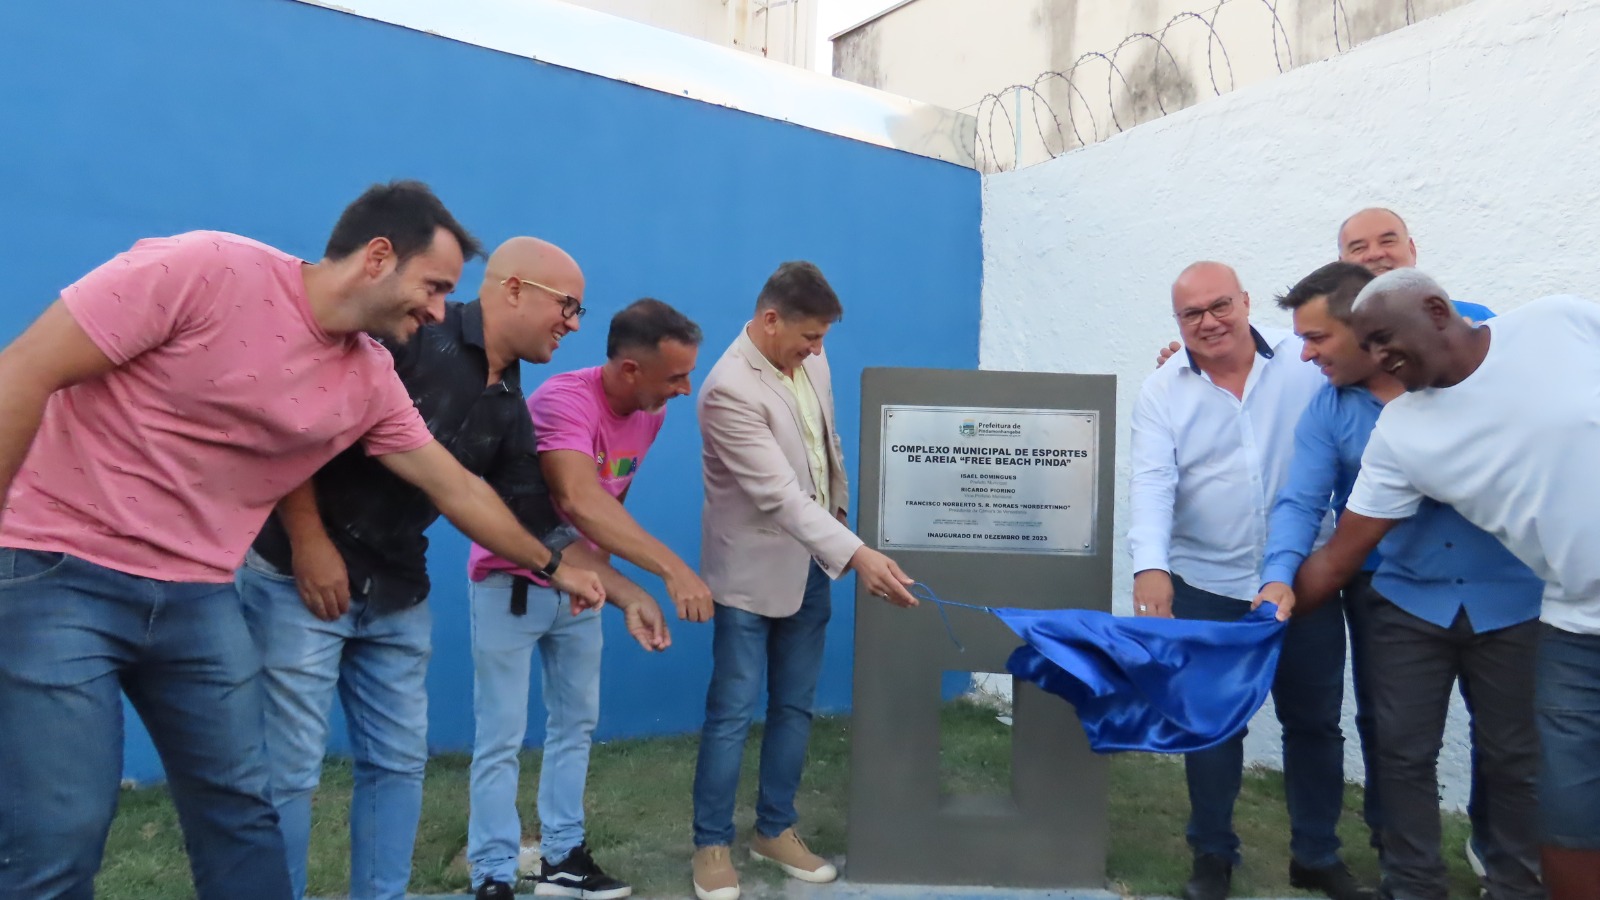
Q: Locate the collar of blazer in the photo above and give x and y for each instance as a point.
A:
(816, 373)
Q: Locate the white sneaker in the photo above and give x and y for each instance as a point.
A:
(529, 863)
(1472, 858)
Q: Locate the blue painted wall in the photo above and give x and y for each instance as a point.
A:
(265, 117)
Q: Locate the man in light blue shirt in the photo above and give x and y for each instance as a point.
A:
(1446, 601)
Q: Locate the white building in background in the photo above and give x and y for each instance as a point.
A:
(1123, 63)
(1451, 122)
(783, 30)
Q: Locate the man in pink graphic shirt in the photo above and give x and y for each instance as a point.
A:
(153, 416)
(593, 428)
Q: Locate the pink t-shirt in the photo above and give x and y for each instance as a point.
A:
(570, 412)
(226, 396)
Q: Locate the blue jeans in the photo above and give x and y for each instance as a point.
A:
(1307, 694)
(744, 647)
(1567, 708)
(378, 663)
(502, 661)
(74, 637)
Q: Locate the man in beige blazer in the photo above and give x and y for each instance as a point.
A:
(775, 532)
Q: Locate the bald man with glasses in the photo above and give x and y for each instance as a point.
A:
(334, 588)
(1213, 434)
(571, 307)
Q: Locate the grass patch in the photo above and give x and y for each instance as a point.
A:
(639, 815)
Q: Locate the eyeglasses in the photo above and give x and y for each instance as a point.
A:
(571, 307)
(1218, 309)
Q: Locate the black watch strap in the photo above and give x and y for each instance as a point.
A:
(550, 567)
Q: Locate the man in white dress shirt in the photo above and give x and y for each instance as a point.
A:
(1212, 436)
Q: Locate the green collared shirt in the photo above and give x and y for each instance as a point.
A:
(811, 427)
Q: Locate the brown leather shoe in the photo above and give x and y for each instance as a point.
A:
(792, 855)
(714, 877)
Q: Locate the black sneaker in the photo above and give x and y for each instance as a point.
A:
(1211, 880)
(1335, 881)
(578, 876)
(494, 890)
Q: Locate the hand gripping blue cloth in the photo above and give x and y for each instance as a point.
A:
(1147, 684)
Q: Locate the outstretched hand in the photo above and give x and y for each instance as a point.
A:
(882, 576)
(1280, 595)
(648, 626)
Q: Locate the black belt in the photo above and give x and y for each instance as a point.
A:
(519, 595)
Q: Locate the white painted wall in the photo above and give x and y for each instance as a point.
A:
(783, 30)
(952, 53)
(1477, 125)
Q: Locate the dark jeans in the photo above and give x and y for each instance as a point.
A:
(746, 647)
(1307, 694)
(1357, 599)
(75, 637)
(1415, 665)
(1358, 617)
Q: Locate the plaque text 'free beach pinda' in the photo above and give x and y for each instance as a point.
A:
(1007, 480)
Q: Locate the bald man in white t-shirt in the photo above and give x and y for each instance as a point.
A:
(1502, 422)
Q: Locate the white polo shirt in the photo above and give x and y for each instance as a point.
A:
(1207, 465)
(1515, 448)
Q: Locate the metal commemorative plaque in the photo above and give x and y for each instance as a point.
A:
(1038, 535)
(989, 480)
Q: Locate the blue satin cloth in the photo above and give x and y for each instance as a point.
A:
(1154, 685)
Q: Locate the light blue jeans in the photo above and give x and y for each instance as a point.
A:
(378, 663)
(502, 662)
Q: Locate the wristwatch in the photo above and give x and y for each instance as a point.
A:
(549, 570)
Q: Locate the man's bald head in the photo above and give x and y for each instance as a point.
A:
(1405, 319)
(534, 259)
(532, 296)
(1378, 240)
(1213, 313)
(1206, 273)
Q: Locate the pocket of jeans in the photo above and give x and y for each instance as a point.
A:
(261, 567)
(22, 566)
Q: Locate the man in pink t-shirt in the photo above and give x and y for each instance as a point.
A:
(152, 418)
(593, 428)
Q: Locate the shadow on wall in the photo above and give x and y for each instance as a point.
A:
(172, 115)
